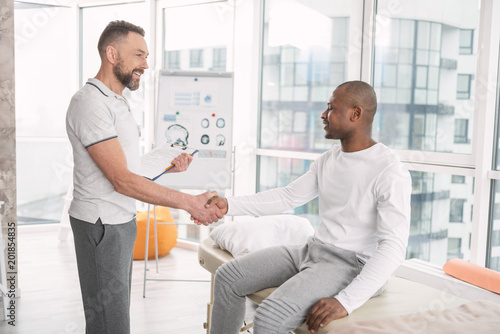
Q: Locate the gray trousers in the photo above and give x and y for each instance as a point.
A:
(303, 275)
(104, 256)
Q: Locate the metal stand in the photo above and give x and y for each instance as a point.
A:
(156, 254)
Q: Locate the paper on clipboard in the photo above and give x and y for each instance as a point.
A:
(159, 160)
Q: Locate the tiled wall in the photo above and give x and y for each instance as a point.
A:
(7, 122)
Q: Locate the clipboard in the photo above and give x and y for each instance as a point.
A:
(153, 163)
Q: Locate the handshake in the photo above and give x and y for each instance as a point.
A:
(207, 208)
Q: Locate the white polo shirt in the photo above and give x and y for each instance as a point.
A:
(96, 114)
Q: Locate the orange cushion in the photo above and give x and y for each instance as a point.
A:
(474, 274)
(167, 234)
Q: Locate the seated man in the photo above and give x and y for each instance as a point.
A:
(364, 207)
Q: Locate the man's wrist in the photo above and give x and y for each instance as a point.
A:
(186, 202)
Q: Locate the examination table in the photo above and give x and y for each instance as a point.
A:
(414, 307)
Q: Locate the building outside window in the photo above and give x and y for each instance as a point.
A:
(206, 49)
(461, 131)
(416, 60)
(460, 179)
(463, 86)
(466, 41)
(301, 65)
(454, 247)
(173, 60)
(456, 210)
(195, 58)
(412, 67)
(219, 59)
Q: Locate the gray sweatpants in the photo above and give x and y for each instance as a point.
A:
(104, 256)
(303, 275)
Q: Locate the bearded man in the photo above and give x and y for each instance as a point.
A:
(105, 141)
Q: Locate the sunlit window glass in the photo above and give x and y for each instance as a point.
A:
(305, 56)
(423, 73)
(441, 206)
(205, 45)
(43, 153)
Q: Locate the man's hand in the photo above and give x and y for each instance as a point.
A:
(214, 201)
(181, 163)
(201, 214)
(221, 203)
(323, 312)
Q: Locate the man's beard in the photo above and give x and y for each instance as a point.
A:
(126, 79)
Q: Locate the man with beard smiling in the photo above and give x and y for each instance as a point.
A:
(105, 141)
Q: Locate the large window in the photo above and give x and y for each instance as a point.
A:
(437, 203)
(415, 75)
(425, 104)
(301, 64)
(422, 60)
(305, 55)
(43, 35)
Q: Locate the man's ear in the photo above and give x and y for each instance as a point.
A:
(356, 113)
(111, 54)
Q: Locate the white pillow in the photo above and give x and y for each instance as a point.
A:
(250, 234)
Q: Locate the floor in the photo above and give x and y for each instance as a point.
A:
(50, 299)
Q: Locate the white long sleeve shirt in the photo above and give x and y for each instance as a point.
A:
(364, 207)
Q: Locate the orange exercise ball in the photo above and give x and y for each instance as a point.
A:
(167, 234)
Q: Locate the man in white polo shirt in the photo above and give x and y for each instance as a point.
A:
(105, 141)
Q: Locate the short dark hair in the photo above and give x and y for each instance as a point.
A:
(116, 31)
(362, 94)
